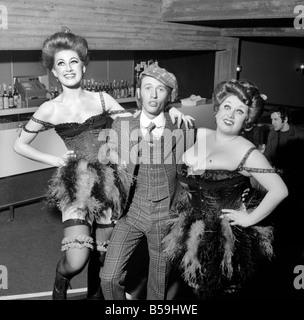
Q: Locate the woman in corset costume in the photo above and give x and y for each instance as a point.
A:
(89, 194)
(219, 239)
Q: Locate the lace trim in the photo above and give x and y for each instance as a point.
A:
(227, 173)
(260, 170)
(103, 104)
(117, 112)
(79, 241)
(245, 157)
(241, 167)
(211, 172)
(46, 126)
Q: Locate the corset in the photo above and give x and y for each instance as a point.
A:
(83, 137)
(214, 189)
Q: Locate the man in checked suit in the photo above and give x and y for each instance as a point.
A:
(151, 165)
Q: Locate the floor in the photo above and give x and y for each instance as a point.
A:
(30, 249)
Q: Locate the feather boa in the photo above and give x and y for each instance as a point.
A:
(209, 251)
(88, 185)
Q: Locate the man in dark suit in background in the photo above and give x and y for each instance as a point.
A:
(284, 150)
(284, 142)
(150, 146)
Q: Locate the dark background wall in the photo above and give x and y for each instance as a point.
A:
(194, 69)
(272, 67)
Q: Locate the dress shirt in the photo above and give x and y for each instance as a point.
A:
(160, 122)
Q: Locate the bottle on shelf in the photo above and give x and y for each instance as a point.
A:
(144, 65)
(15, 96)
(131, 89)
(140, 66)
(107, 87)
(114, 89)
(96, 86)
(137, 70)
(118, 90)
(126, 89)
(89, 85)
(10, 97)
(122, 89)
(92, 84)
(111, 89)
(19, 101)
(5, 97)
(1, 98)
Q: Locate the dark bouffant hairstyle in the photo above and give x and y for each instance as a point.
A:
(64, 41)
(284, 113)
(247, 92)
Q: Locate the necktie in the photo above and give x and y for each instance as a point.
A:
(150, 128)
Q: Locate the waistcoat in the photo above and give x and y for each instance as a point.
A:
(155, 179)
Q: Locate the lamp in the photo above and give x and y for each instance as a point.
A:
(238, 68)
(301, 68)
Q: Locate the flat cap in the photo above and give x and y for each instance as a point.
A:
(163, 76)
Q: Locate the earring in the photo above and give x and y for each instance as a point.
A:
(138, 93)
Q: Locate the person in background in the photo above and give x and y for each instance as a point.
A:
(151, 165)
(214, 237)
(284, 143)
(284, 147)
(89, 194)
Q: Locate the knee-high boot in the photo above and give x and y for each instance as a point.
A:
(93, 279)
(60, 288)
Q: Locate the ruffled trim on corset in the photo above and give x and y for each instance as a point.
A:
(209, 251)
(90, 186)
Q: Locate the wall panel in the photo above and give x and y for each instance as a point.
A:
(108, 25)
